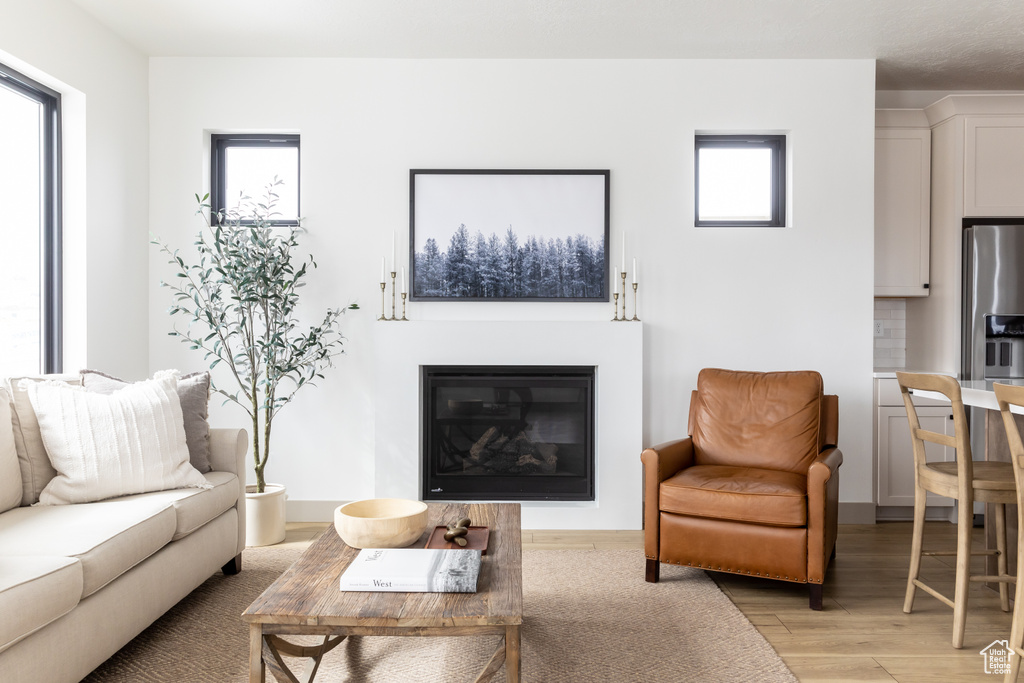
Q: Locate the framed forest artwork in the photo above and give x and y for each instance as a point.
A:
(483, 235)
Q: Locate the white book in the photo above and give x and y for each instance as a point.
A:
(405, 570)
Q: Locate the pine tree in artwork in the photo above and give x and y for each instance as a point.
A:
(513, 264)
(429, 270)
(457, 271)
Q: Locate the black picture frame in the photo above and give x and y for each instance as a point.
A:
(556, 220)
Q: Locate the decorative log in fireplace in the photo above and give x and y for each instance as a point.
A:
(508, 433)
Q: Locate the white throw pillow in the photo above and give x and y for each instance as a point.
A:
(10, 472)
(102, 446)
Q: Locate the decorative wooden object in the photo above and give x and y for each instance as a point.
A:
(476, 539)
(381, 522)
(306, 600)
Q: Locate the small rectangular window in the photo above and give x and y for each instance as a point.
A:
(243, 166)
(740, 180)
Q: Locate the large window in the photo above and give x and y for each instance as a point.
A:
(243, 166)
(740, 180)
(30, 281)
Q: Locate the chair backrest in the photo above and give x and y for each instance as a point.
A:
(1007, 395)
(768, 420)
(961, 440)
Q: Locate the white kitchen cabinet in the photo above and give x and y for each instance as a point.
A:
(977, 170)
(893, 447)
(902, 211)
(994, 166)
(896, 454)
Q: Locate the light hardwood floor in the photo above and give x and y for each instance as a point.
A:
(862, 634)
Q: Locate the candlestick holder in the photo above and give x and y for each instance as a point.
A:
(383, 286)
(393, 275)
(624, 290)
(403, 307)
(616, 297)
(634, 305)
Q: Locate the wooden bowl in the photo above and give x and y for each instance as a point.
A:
(381, 522)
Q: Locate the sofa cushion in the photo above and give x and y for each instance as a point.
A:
(195, 507)
(109, 537)
(10, 471)
(770, 420)
(36, 470)
(35, 591)
(194, 394)
(103, 446)
(741, 494)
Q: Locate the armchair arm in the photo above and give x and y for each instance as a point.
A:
(822, 511)
(660, 463)
(227, 454)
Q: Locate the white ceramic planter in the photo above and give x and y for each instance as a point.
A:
(264, 515)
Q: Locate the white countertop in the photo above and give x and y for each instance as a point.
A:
(978, 393)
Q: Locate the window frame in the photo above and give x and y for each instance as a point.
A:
(51, 216)
(219, 144)
(777, 145)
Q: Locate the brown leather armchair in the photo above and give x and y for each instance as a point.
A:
(754, 489)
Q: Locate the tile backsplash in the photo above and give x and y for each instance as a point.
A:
(891, 347)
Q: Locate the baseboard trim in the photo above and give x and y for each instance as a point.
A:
(849, 513)
(311, 510)
(905, 513)
(856, 513)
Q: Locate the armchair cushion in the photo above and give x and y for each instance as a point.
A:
(741, 494)
(769, 420)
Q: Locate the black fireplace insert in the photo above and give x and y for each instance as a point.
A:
(508, 432)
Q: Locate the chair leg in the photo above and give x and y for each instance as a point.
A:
(915, 548)
(965, 522)
(1004, 588)
(815, 590)
(1017, 625)
(653, 571)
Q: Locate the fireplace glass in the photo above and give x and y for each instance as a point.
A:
(508, 433)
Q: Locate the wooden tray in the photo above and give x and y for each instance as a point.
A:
(476, 539)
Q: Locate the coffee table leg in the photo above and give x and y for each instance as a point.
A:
(257, 669)
(512, 654)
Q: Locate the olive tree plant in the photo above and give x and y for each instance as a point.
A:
(239, 301)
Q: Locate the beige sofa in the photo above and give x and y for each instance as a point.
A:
(78, 582)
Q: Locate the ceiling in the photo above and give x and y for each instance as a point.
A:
(918, 44)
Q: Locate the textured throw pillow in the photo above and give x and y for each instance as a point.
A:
(10, 472)
(194, 394)
(131, 441)
(36, 470)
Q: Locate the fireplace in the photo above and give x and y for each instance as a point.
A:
(508, 433)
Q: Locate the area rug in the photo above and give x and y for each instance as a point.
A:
(588, 616)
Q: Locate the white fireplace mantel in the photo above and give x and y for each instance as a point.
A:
(615, 349)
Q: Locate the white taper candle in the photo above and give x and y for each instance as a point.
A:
(634, 270)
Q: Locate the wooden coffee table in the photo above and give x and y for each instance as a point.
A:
(306, 600)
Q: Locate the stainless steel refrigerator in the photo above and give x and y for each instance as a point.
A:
(992, 346)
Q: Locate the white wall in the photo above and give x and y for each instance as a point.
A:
(757, 299)
(104, 84)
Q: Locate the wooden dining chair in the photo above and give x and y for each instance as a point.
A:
(1008, 396)
(965, 481)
